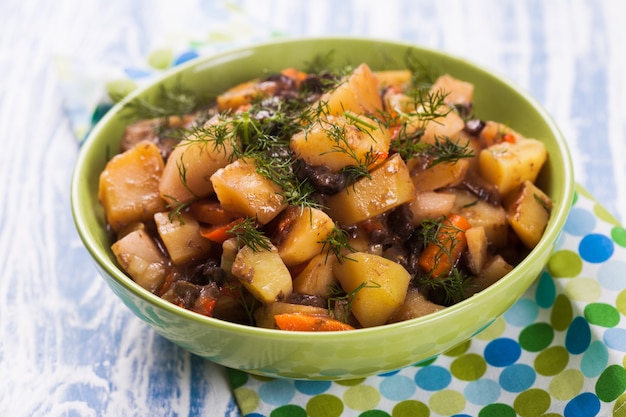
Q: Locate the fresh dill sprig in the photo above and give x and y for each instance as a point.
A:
(446, 150)
(340, 297)
(452, 286)
(337, 243)
(170, 101)
(247, 234)
(423, 76)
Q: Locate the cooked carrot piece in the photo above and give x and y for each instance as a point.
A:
(211, 212)
(309, 323)
(438, 258)
(219, 233)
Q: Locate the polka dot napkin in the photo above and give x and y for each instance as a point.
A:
(559, 351)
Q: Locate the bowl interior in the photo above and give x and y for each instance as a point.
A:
(494, 99)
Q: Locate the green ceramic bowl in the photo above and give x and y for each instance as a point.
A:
(325, 355)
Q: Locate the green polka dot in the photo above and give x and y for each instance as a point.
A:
(247, 400)
(562, 313)
(497, 410)
(611, 384)
(118, 89)
(620, 302)
(618, 234)
(603, 214)
(494, 330)
(289, 411)
(619, 408)
(565, 264)
(361, 397)
(551, 361)
(374, 413)
(459, 349)
(536, 337)
(324, 405)
(161, 59)
(236, 377)
(427, 361)
(532, 403)
(350, 382)
(566, 385)
(410, 408)
(583, 289)
(447, 402)
(602, 314)
(468, 367)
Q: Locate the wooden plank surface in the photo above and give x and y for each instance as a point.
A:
(68, 346)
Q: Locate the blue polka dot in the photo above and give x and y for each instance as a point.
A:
(594, 360)
(615, 339)
(584, 405)
(277, 392)
(312, 387)
(386, 374)
(545, 293)
(610, 275)
(461, 415)
(482, 392)
(580, 222)
(502, 352)
(433, 378)
(397, 388)
(185, 56)
(595, 248)
(578, 336)
(136, 73)
(517, 378)
(522, 313)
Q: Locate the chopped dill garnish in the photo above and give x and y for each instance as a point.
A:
(339, 297)
(337, 243)
(248, 234)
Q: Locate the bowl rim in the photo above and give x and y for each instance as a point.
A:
(551, 234)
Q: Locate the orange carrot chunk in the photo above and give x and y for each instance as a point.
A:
(309, 323)
(220, 233)
(438, 258)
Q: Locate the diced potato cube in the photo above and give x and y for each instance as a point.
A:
(495, 132)
(441, 175)
(181, 237)
(431, 205)
(455, 90)
(507, 165)
(528, 211)
(450, 125)
(129, 186)
(358, 93)
(305, 234)
(241, 189)
(244, 93)
(477, 248)
(495, 268)
(339, 141)
(388, 78)
(414, 305)
(189, 168)
(380, 286)
(140, 257)
(317, 277)
(481, 213)
(264, 316)
(263, 273)
(390, 186)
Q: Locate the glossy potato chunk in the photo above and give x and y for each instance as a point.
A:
(528, 211)
(382, 285)
(129, 186)
(306, 231)
(390, 185)
(181, 236)
(241, 189)
(357, 93)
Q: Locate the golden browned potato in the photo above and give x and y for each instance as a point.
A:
(263, 273)
(456, 91)
(414, 305)
(357, 93)
(528, 211)
(317, 277)
(306, 232)
(390, 186)
(241, 189)
(380, 286)
(181, 236)
(129, 186)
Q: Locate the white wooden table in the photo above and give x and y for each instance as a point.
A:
(68, 346)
